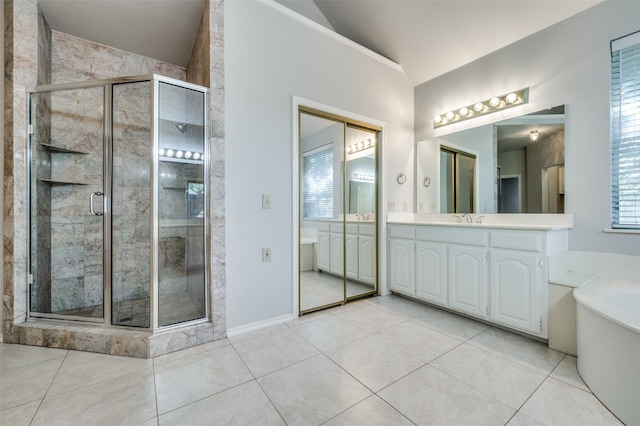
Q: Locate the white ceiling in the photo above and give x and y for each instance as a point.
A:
(427, 38)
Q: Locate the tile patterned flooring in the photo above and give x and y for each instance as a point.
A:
(379, 361)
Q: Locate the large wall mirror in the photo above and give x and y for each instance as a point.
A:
(517, 167)
(338, 214)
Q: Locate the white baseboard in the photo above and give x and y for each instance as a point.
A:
(235, 331)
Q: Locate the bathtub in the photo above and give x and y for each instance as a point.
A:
(608, 328)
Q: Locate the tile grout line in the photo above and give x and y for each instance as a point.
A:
(49, 387)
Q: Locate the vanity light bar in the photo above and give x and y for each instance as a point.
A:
(497, 103)
(363, 177)
(361, 146)
(187, 155)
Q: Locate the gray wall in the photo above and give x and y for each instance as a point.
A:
(568, 64)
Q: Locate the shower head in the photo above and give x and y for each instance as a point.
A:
(182, 127)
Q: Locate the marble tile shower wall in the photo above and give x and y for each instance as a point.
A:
(131, 206)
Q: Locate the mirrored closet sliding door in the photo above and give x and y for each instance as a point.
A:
(337, 211)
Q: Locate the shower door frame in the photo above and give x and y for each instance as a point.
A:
(107, 175)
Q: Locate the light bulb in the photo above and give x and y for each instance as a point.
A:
(196, 155)
(511, 98)
(161, 151)
(437, 119)
(187, 154)
(534, 135)
(179, 154)
(494, 102)
(170, 153)
(478, 107)
(463, 111)
(449, 116)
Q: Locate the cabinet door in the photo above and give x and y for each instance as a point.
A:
(431, 272)
(468, 280)
(367, 259)
(323, 251)
(336, 253)
(351, 265)
(514, 288)
(401, 266)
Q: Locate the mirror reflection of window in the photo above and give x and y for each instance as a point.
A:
(318, 183)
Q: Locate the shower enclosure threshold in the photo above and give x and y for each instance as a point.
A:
(73, 335)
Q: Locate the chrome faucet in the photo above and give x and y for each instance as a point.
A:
(469, 218)
(479, 219)
(459, 217)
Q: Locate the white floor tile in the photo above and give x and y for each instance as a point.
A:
(187, 380)
(84, 368)
(328, 333)
(429, 396)
(417, 340)
(126, 399)
(567, 371)
(451, 324)
(375, 362)
(312, 391)
(373, 411)
(557, 403)
(525, 351)
(268, 353)
(12, 356)
(20, 415)
(27, 383)
(497, 377)
(242, 405)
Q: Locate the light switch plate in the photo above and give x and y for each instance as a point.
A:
(266, 201)
(266, 254)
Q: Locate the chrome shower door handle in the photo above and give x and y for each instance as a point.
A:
(91, 203)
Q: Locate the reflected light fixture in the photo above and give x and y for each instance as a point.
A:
(496, 103)
(534, 135)
(361, 146)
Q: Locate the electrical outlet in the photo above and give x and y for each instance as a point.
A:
(392, 206)
(266, 201)
(266, 254)
(405, 206)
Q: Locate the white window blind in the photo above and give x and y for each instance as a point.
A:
(625, 132)
(318, 183)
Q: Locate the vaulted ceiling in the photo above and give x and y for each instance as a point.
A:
(427, 38)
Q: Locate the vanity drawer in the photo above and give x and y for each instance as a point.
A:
(367, 229)
(405, 232)
(324, 226)
(352, 229)
(530, 241)
(337, 227)
(452, 235)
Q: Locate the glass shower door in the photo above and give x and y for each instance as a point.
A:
(67, 203)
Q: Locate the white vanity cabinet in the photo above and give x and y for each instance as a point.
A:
(324, 237)
(468, 280)
(431, 272)
(402, 259)
(359, 245)
(496, 274)
(367, 253)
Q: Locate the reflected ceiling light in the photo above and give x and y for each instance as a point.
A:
(161, 151)
(196, 155)
(534, 135)
(179, 154)
(187, 154)
(362, 145)
(169, 153)
(477, 109)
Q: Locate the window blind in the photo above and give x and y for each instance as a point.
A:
(318, 183)
(625, 132)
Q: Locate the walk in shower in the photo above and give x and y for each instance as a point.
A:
(118, 225)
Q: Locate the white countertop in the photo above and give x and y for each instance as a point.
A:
(545, 222)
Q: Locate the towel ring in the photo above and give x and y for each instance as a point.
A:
(427, 181)
(402, 178)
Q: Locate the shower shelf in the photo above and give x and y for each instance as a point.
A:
(60, 182)
(57, 149)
